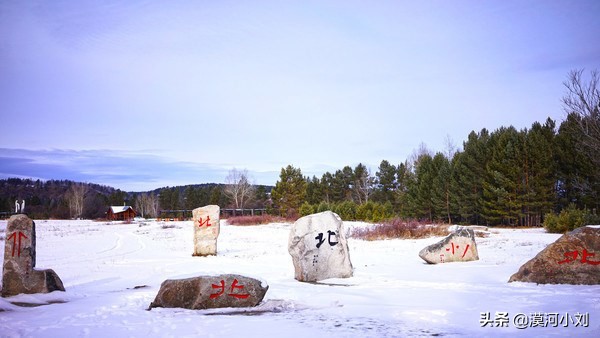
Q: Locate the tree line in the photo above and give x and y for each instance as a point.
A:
(65, 199)
(504, 177)
(58, 198)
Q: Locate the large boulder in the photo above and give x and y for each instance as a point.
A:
(206, 230)
(18, 271)
(319, 249)
(209, 292)
(574, 258)
(459, 246)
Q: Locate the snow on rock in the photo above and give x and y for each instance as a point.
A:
(319, 248)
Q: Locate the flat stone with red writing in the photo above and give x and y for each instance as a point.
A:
(210, 292)
(206, 230)
(318, 246)
(574, 258)
(19, 274)
(459, 246)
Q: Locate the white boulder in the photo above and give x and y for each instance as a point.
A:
(319, 249)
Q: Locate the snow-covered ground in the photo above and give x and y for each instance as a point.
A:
(393, 292)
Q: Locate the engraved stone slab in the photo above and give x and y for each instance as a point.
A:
(206, 230)
(459, 246)
(574, 258)
(18, 271)
(318, 246)
(209, 292)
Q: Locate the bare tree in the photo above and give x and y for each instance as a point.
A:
(363, 183)
(75, 197)
(147, 205)
(450, 147)
(583, 99)
(418, 153)
(238, 187)
(140, 204)
(152, 205)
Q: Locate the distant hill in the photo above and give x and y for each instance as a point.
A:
(48, 199)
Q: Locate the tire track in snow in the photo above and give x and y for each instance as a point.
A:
(120, 243)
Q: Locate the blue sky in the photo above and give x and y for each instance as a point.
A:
(142, 94)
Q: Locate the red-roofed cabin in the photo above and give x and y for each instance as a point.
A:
(121, 213)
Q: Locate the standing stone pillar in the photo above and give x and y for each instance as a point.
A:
(206, 230)
(18, 273)
(319, 249)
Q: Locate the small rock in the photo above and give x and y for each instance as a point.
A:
(459, 246)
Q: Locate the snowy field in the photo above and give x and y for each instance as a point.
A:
(112, 271)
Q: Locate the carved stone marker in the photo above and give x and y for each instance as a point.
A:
(459, 246)
(206, 230)
(209, 292)
(319, 249)
(18, 273)
(574, 258)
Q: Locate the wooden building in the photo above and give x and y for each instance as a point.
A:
(120, 213)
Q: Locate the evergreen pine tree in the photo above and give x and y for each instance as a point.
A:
(314, 190)
(423, 193)
(441, 188)
(327, 187)
(576, 181)
(540, 173)
(469, 176)
(386, 182)
(404, 181)
(502, 189)
(289, 192)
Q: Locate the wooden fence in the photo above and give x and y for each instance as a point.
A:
(186, 214)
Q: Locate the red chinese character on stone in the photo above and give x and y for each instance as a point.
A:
(457, 247)
(14, 238)
(200, 223)
(222, 287)
(571, 256)
(584, 257)
(465, 252)
(447, 249)
(234, 286)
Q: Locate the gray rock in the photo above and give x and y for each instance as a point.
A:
(18, 271)
(209, 292)
(459, 246)
(206, 230)
(319, 249)
(574, 258)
